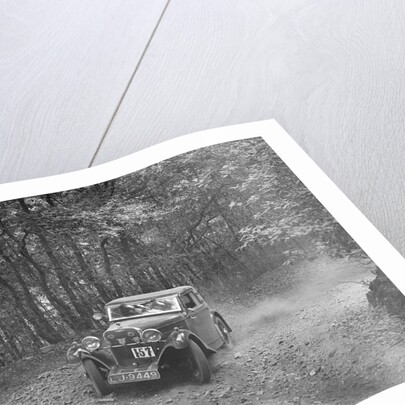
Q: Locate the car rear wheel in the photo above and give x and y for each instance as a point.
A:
(223, 331)
(99, 382)
(200, 369)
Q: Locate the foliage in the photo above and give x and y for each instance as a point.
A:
(214, 217)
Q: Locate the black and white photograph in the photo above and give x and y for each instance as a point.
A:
(212, 277)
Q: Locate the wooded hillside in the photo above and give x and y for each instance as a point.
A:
(214, 217)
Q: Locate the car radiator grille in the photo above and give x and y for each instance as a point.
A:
(122, 337)
(123, 340)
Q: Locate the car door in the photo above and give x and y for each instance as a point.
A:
(200, 321)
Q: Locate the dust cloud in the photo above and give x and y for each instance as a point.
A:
(269, 310)
(320, 280)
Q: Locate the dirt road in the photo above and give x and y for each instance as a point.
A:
(304, 335)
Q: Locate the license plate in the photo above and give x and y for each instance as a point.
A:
(143, 352)
(133, 376)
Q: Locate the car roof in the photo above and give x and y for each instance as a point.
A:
(155, 294)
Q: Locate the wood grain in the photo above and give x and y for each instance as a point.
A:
(330, 72)
(63, 68)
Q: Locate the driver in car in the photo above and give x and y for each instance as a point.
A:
(130, 310)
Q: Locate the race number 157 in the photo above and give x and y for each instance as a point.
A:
(142, 352)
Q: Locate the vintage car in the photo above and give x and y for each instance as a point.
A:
(150, 332)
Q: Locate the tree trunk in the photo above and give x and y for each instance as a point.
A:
(87, 271)
(108, 268)
(162, 278)
(52, 335)
(35, 338)
(227, 221)
(40, 328)
(8, 343)
(84, 311)
(67, 314)
(143, 253)
(131, 264)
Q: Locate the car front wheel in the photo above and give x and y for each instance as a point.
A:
(99, 382)
(200, 369)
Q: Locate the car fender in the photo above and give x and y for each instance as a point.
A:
(104, 362)
(190, 336)
(204, 347)
(218, 315)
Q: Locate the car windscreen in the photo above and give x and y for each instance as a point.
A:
(141, 308)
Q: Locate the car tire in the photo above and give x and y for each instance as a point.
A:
(99, 382)
(223, 331)
(200, 369)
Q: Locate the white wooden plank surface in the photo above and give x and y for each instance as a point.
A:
(331, 72)
(63, 68)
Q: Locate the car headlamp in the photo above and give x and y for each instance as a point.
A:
(151, 335)
(98, 316)
(72, 354)
(179, 339)
(91, 343)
